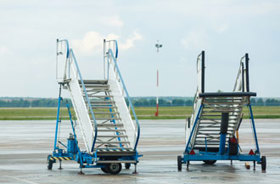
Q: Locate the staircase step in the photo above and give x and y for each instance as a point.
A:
(112, 142)
(112, 136)
(110, 113)
(208, 143)
(98, 96)
(111, 130)
(110, 125)
(107, 118)
(94, 81)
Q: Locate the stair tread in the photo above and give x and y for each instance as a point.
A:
(111, 130)
(94, 81)
(124, 136)
(110, 125)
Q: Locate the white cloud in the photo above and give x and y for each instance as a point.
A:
(92, 42)
(129, 43)
(195, 40)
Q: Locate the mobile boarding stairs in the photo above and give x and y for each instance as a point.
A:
(110, 136)
(212, 130)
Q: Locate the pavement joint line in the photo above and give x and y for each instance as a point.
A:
(22, 180)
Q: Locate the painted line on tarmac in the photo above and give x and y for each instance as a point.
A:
(22, 180)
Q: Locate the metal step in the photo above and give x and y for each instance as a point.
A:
(94, 81)
(106, 113)
(112, 142)
(112, 136)
(111, 130)
(107, 118)
(110, 125)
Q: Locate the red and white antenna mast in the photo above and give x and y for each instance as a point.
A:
(158, 46)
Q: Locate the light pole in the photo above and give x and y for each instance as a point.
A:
(158, 46)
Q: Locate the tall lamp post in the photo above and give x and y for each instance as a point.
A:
(158, 46)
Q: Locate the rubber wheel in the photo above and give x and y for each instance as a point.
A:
(50, 165)
(179, 163)
(263, 162)
(114, 168)
(209, 162)
(127, 165)
(105, 169)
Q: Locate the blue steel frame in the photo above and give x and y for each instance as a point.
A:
(85, 159)
(205, 155)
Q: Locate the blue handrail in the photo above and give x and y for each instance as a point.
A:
(71, 53)
(110, 53)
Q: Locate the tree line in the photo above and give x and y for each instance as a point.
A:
(136, 101)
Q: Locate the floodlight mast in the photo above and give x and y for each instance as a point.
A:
(158, 46)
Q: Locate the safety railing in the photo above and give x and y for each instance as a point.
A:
(71, 62)
(110, 57)
(242, 79)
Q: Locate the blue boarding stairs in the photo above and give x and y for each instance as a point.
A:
(108, 136)
(212, 131)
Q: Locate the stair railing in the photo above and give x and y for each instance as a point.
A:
(242, 78)
(71, 62)
(197, 102)
(111, 54)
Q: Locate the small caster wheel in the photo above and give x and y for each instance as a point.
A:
(209, 162)
(50, 165)
(114, 168)
(127, 165)
(179, 163)
(263, 163)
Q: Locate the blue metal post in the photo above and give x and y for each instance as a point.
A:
(75, 136)
(57, 118)
(222, 143)
(223, 132)
(254, 129)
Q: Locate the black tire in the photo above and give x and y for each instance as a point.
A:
(263, 163)
(114, 168)
(179, 163)
(50, 165)
(105, 169)
(127, 165)
(209, 162)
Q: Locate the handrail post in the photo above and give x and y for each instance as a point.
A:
(247, 72)
(104, 56)
(242, 73)
(202, 71)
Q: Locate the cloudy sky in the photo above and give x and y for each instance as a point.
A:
(226, 30)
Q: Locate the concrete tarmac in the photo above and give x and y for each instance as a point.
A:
(24, 146)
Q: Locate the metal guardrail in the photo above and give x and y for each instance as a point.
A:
(243, 73)
(70, 56)
(113, 56)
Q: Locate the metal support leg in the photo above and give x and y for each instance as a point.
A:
(81, 171)
(254, 164)
(60, 165)
(230, 162)
(188, 164)
(135, 169)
